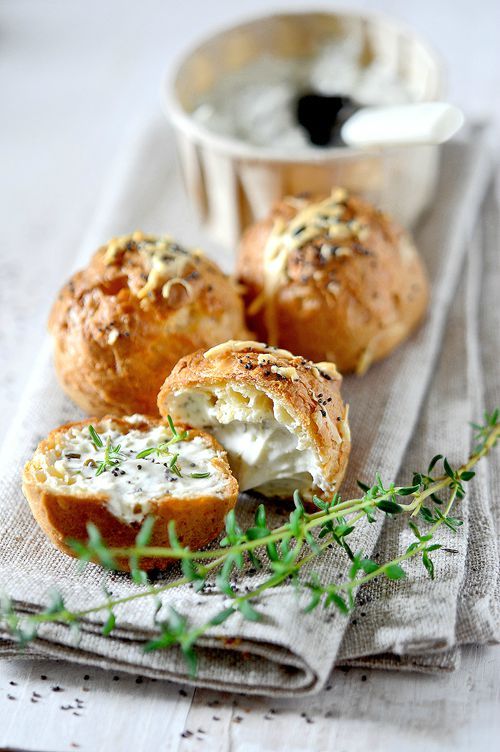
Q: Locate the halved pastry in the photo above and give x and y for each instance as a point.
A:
(280, 417)
(121, 323)
(114, 472)
(332, 278)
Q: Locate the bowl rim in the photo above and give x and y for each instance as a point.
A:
(238, 148)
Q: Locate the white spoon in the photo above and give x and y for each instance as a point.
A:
(421, 123)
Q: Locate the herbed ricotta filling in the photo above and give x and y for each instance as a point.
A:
(266, 448)
(130, 482)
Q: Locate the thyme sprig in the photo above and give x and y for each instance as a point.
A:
(164, 447)
(283, 553)
(112, 457)
(112, 454)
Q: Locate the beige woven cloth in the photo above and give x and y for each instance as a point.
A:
(406, 409)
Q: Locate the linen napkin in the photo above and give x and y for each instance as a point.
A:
(410, 624)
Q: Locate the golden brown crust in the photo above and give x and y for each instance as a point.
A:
(313, 397)
(64, 516)
(113, 348)
(352, 305)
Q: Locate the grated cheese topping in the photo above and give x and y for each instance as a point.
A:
(312, 220)
(167, 260)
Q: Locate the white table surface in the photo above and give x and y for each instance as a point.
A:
(73, 75)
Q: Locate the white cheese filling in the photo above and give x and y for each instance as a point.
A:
(257, 102)
(267, 448)
(132, 483)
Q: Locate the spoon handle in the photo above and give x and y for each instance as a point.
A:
(421, 123)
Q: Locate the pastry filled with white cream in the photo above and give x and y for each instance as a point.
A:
(114, 472)
(280, 417)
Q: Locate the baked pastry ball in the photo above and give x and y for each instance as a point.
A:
(333, 279)
(280, 417)
(114, 472)
(121, 324)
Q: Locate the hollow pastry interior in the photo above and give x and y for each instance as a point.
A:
(130, 463)
(267, 447)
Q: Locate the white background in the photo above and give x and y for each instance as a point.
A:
(75, 75)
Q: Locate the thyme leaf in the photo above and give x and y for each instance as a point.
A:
(164, 447)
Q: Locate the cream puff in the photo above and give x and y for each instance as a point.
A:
(332, 278)
(121, 324)
(280, 417)
(115, 472)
